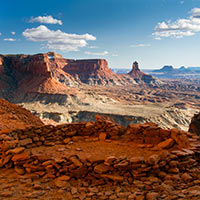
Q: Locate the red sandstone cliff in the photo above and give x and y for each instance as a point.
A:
(22, 75)
(93, 72)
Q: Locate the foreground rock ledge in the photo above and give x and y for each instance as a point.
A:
(167, 169)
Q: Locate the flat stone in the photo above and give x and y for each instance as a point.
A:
(5, 160)
(173, 163)
(108, 193)
(165, 144)
(174, 170)
(48, 162)
(76, 162)
(186, 177)
(166, 187)
(109, 160)
(113, 177)
(113, 197)
(21, 157)
(122, 164)
(89, 124)
(35, 194)
(93, 189)
(72, 133)
(152, 196)
(20, 171)
(101, 168)
(62, 181)
(6, 194)
(190, 152)
(136, 160)
(16, 150)
(67, 140)
(37, 187)
(179, 153)
(25, 141)
(140, 197)
(74, 190)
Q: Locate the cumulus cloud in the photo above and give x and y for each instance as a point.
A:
(9, 39)
(0, 33)
(96, 53)
(93, 47)
(140, 45)
(13, 33)
(45, 19)
(57, 40)
(179, 28)
(195, 12)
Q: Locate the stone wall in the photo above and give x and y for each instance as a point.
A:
(176, 152)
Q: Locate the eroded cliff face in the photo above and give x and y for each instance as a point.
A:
(27, 76)
(94, 72)
(24, 76)
(97, 72)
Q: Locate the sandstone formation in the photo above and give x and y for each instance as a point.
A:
(94, 72)
(195, 124)
(141, 77)
(26, 76)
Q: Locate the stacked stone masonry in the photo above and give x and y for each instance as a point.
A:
(176, 157)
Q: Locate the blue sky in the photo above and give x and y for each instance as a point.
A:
(153, 32)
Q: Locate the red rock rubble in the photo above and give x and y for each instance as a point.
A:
(170, 161)
(13, 116)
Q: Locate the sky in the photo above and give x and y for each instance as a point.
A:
(152, 32)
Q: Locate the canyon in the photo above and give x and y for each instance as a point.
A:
(60, 90)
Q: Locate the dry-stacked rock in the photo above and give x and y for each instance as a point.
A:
(172, 164)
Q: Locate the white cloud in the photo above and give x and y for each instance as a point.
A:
(57, 40)
(179, 28)
(13, 33)
(96, 53)
(9, 39)
(93, 47)
(195, 12)
(0, 33)
(46, 20)
(140, 45)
